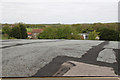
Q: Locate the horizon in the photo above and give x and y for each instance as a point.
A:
(62, 23)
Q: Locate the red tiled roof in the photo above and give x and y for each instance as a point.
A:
(29, 33)
(37, 30)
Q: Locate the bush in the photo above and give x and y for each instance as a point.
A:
(93, 35)
(48, 33)
(23, 31)
(16, 32)
(108, 34)
(65, 32)
(6, 30)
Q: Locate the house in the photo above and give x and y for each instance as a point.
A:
(35, 32)
(97, 38)
(85, 35)
(29, 35)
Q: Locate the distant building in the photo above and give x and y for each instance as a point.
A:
(97, 37)
(35, 32)
(85, 35)
(29, 35)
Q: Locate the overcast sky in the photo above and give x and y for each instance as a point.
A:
(59, 11)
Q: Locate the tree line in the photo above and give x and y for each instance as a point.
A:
(106, 31)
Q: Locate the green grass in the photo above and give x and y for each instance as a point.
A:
(30, 29)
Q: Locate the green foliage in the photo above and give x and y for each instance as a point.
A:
(65, 32)
(93, 35)
(109, 34)
(49, 33)
(16, 32)
(83, 28)
(23, 31)
(6, 30)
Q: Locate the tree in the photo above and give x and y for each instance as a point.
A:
(6, 30)
(19, 31)
(48, 33)
(109, 34)
(93, 35)
(64, 32)
(16, 32)
(23, 31)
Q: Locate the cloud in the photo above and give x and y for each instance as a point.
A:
(54, 11)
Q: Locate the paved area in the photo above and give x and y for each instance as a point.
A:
(25, 58)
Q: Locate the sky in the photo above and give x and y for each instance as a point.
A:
(58, 11)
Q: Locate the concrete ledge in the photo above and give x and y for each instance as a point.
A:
(83, 69)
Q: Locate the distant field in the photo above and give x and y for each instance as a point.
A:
(30, 29)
